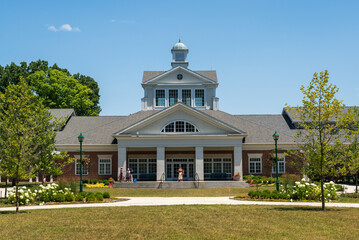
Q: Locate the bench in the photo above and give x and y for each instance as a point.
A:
(221, 176)
(147, 177)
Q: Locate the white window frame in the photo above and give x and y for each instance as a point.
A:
(154, 98)
(100, 157)
(77, 158)
(190, 97)
(169, 99)
(255, 155)
(185, 121)
(204, 97)
(281, 156)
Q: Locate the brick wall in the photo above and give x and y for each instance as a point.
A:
(267, 163)
(69, 170)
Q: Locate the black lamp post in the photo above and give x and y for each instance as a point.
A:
(81, 139)
(276, 137)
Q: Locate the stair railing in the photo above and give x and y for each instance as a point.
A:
(196, 180)
(162, 179)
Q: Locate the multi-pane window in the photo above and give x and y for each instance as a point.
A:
(85, 168)
(160, 97)
(142, 165)
(199, 97)
(186, 96)
(255, 165)
(179, 57)
(281, 165)
(179, 126)
(217, 165)
(104, 166)
(173, 96)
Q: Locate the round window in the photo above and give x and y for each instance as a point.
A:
(179, 76)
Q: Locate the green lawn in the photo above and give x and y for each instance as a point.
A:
(182, 222)
(209, 192)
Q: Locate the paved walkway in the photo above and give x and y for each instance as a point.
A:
(165, 201)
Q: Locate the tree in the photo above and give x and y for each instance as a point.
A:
(61, 91)
(11, 74)
(322, 124)
(27, 135)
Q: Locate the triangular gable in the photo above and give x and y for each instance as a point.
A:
(182, 69)
(172, 109)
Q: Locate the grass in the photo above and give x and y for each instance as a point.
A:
(208, 192)
(182, 222)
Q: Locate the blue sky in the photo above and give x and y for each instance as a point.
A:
(263, 51)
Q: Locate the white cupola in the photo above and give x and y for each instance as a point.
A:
(179, 55)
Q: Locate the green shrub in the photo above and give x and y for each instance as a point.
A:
(339, 187)
(266, 194)
(106, 182)
(69, 197)
(59, 197)
(99, 196)
(106, 195)
(274, 194)
(90, 197)
(254, 181)
(80, 197)
(350, 195)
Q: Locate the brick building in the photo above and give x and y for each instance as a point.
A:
(179, 125)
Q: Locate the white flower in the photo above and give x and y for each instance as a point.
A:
(21, 197)
(303, 179)
(331, 182)
(21, 191)
(297, 183)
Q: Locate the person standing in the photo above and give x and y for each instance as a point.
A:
(121, 174)
(128, 175)
(180, 174)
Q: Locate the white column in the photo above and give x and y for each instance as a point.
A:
(238, 165)
(0, 178)
(122, 157)
(199, 163)
(160, 162)
(51, 178)
(30, 180)
(37, 177)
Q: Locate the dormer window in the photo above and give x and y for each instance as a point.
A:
(186, 96)
(160, 98)
(173, 96)
(199, 97)
(179, 126)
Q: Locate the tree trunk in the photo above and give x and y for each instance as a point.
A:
(322, 188)
(17, 195)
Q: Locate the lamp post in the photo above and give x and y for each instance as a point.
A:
(81, 139)
(276, 137)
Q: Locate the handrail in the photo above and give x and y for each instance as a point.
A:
(162, 179)
(196, 180)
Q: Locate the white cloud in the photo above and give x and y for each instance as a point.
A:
(65, 28)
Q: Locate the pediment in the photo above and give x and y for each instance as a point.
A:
(189, 77)
(179, 112)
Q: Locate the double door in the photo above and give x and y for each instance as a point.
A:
(173, 164)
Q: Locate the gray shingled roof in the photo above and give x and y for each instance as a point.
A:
(62, 114)
(147, 75)
(99, 130)
(294, 115)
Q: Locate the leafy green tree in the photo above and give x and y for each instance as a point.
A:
(323, 124)
(27, 135)
(61, 91)
(11, 74)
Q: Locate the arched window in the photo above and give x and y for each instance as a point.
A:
(179, 126)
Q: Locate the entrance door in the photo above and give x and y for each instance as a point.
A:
(173, 164)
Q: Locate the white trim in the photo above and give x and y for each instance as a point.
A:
(181, 68)
(179, 120)
(204, 98)
(280, 156)
(82, 168)
(254, 155)
(172, 108)
(154, 99)
(104, 157)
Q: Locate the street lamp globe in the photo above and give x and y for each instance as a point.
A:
(80, 138)
(275, 136)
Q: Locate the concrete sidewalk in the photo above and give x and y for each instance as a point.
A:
(166, 201)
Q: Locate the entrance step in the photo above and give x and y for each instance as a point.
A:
(182, 185)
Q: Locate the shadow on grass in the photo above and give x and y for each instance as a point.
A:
(309, 209)
(13, 212)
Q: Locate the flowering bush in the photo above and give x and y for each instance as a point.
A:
(97, 185)
(26, 196)
(301, 190)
